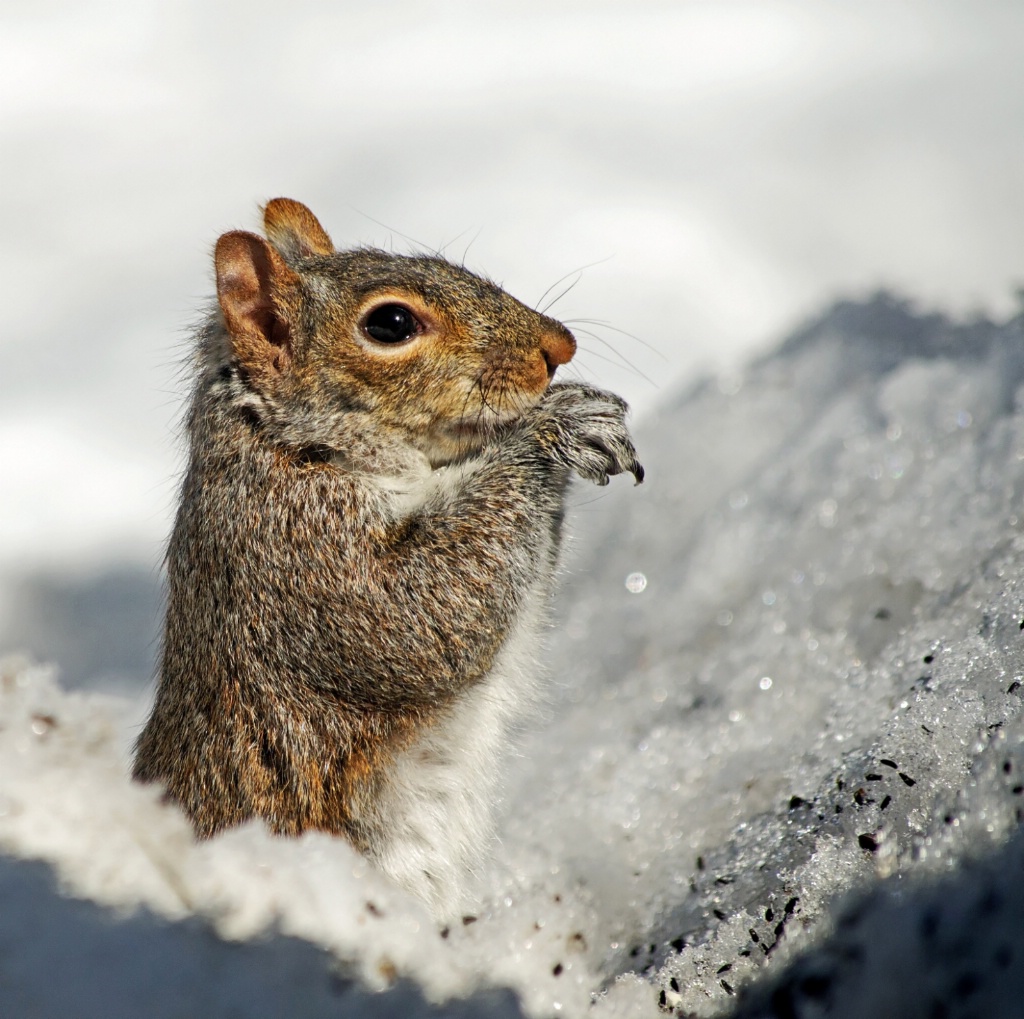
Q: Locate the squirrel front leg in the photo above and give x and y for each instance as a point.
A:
(426, 601)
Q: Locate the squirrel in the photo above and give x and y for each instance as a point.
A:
(364, 548)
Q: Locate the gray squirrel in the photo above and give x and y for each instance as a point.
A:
(364, 547)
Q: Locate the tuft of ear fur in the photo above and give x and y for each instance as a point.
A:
(251, 278)
(294, 230)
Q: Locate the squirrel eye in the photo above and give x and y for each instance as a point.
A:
(391, 323)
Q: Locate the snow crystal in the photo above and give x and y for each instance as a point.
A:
(781, 765)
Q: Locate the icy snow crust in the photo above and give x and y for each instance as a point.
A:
(783, 777)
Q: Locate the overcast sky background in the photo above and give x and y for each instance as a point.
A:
(722, 169)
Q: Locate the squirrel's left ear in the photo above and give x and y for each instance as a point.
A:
(294, 230)
(253, 283)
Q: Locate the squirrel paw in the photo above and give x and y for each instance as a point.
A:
(584, 429)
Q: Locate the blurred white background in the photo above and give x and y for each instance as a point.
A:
(721, 168)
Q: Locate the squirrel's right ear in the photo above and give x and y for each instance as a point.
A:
(294, 230)
(252, 281)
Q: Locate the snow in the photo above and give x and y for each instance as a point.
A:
(779, 775)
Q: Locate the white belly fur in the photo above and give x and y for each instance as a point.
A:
(433, 823)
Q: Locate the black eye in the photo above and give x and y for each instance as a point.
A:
(391, 323)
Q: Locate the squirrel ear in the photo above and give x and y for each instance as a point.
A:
(294, 230)
(249, 275)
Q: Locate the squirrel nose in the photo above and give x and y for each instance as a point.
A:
(558, 346)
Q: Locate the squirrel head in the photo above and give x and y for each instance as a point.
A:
(426, 348)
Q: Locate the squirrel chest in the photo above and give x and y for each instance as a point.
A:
(364, 547)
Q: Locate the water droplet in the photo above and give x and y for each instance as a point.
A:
(635, 583)
(765, 683)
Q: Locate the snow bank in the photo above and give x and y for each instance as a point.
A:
(787, 667)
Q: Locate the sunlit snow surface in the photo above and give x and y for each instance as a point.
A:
(787, 667)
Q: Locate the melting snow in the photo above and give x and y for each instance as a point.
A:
(780, 774)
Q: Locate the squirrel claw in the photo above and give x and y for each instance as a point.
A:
(592, 437)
